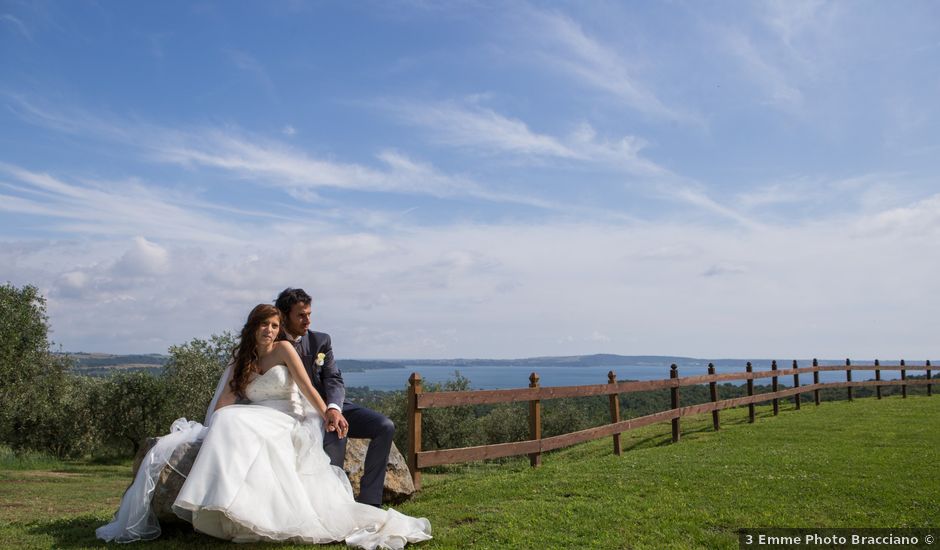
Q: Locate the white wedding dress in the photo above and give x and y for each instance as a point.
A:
(262, 475)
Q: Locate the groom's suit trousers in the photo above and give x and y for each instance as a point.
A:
(367, 424)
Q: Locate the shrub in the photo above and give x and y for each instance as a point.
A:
(507, 422)
(44, 408)
(192, 373)
(132, 406)
(24, 352)
(57, 417)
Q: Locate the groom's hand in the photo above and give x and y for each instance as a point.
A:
(336, 422)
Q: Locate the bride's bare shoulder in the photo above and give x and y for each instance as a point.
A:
(284, 347)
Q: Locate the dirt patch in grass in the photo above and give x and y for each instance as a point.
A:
(53, 474)
(38, 476)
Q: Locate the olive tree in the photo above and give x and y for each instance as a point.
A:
(42, 408)
(24, 345)
(192, 373)
(132, 406)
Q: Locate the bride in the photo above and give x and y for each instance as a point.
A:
(261, 473)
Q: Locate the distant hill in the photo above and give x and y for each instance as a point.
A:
(595, 360)
(613, 360)
(106, 364)
(82, 359)
(356, 365)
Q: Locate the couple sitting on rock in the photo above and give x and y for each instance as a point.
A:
(273, 445)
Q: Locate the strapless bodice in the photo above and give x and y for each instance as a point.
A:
(276, 389)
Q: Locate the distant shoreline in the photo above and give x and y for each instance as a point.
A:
(105, 364)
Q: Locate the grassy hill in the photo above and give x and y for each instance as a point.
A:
(866, 463)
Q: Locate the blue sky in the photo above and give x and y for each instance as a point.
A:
(474, 179)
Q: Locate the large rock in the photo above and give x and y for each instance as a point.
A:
(171, 477)
(398, 484)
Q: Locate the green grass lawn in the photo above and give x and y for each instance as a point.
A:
(865, 463)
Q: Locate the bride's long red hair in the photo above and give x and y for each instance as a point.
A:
(245, 354)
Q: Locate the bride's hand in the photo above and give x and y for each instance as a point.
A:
(336, 422)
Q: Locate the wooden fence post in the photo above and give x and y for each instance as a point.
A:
(614, 411)
(816, 381)
(774, 388)
(848, 377)
(414, 428)
(796, 384)
(929, 390)
(877, 378)
(713, 389)
(535, 421)
(674, 374)
(903, 377)
(750, 392)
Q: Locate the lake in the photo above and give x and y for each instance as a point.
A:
(501, 377)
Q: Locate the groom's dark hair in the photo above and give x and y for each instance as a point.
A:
(290, 296)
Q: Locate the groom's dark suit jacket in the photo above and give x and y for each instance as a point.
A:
(327, 379)
(363, 422)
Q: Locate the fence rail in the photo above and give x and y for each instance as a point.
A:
(419, 401)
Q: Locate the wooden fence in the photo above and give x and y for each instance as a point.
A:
(419, 401)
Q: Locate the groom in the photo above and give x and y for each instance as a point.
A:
(342, 417)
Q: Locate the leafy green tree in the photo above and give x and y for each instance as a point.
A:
(192, 373)
(562, 416)
(24, 344)
(43, 407)
(131, 407)
(24, 350)
(507, 422)
(59, 419)
(450, 427)
(442, 428)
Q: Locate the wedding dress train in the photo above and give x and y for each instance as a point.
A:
(262, 475)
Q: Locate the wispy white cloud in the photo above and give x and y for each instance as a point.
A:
(145, 258)
(159, 252)
(562, 44)
(274, 163)
(250, 64)
(73, 122)
(920, 218)
(789, 19)
(473, 126)
(786, 48)
(14, 22)
(863, 194)
(778, 193)
(144, 233)
(623, 154)
(694, 195)
(775, 81)
(157, 44)
(103, 208)
(467, 124)
(523, 289)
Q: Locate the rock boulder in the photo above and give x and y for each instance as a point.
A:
(398, 484)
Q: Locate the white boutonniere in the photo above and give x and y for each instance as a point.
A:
(321, 358)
